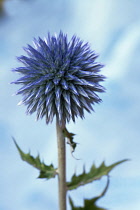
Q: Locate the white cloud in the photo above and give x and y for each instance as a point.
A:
(123, 52)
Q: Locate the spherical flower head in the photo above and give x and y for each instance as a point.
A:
(59, 78)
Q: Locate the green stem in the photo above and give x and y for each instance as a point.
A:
(61, 167)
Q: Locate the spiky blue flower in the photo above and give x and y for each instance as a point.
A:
(60, 78)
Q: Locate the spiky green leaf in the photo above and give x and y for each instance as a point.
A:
(90, 204)
(45, 171)
(70, 137)
(93, 174)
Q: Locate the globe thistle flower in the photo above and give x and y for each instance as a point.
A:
(60, 78)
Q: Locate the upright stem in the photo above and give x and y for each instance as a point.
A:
(61, 167)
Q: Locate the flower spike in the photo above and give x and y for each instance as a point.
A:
(60, 78)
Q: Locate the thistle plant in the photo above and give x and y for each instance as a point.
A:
(61, 79)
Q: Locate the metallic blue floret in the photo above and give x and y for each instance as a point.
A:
(59, 78)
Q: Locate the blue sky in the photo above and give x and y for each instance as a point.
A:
(111, 133)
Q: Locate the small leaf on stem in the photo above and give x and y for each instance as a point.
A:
(70, 141)
(90, 204)
(92, 175)
(45, 171)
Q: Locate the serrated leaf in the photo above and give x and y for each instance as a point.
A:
(92, 175)
(45, 170)
(70, 141)
(90, 204)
